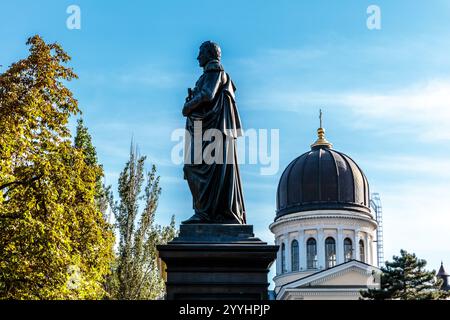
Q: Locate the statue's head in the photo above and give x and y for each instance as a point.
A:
(208, 51)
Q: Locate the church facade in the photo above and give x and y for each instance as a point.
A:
(324, 227)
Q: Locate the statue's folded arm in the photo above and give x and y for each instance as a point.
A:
(206, 90)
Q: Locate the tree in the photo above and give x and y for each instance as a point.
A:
(55, 243)
(136, 275)
(83, 141)
(406, 279)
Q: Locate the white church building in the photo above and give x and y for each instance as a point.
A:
(325, 227)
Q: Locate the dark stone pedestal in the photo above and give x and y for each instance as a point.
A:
(215, 261)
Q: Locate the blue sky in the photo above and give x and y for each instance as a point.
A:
(385, 93)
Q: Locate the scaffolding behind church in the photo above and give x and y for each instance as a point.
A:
(375, 203)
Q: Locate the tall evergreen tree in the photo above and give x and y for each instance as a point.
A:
(55, 243)
(136, 275)
(83, 141)
(405, 278)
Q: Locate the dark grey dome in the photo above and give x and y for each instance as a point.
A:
(322, 178)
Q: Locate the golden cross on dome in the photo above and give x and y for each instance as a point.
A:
(321, 140)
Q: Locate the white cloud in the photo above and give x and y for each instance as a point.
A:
(422, 109)
(432, 167)
(425, 107)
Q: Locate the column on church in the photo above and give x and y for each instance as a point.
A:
(374, 255)
(367, 246)
(320, 249)
(302, 248)
(356, 245)
(339, 247)
(289, 252)
(285, 242)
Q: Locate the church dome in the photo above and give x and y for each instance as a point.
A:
(322, 179)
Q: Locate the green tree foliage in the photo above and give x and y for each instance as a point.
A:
(55, 243)
(136, 274)
(83, 141)
(405, 278)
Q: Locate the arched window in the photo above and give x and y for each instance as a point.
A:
(283, 258)
(294, 255)
(362, 255)
(330, 252)
(348, 249)
(311, 253)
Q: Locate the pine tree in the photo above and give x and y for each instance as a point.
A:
(55, 243)
(136, 275)
(405, 278)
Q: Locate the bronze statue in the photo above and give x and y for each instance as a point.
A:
(216, 187)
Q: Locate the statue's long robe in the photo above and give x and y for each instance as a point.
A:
(216, 187)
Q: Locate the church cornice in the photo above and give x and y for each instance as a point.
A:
(316, 218)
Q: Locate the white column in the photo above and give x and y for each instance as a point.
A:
(288, 253)
(302, 249)
(320, 249)
(356, 245)
(277, 261)
(339, 247)
(374, 250)
(366, 248)
(285, 255)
